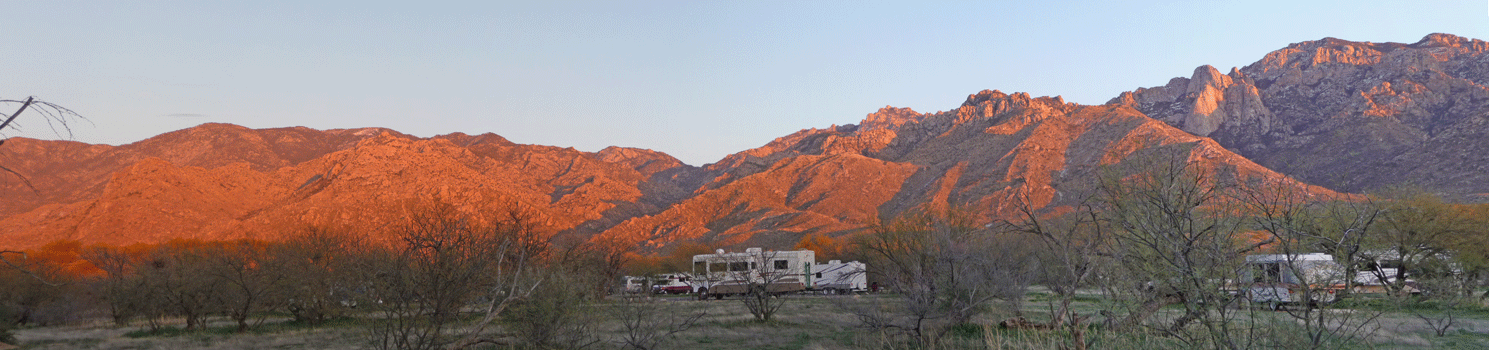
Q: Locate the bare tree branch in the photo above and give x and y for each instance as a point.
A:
(23, 269)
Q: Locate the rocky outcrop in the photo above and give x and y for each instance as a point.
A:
(1353, 116)
(1204, 102)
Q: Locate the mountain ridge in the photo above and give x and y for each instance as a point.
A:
(1358, 105)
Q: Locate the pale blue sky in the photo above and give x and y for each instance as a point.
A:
(695, 79)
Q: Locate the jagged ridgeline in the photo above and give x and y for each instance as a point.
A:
(1348, 116)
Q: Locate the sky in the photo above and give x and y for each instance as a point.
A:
(696, 79)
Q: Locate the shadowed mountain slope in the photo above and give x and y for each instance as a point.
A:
(1352, 116)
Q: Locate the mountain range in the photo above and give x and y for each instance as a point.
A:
(1344, 116)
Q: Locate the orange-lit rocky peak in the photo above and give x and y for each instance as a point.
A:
(1203, 102)
(1428, 53)
(460, 138)
(889, 118)
(995, 106)
(1000, 102)
(1449, 40)
(646, 161)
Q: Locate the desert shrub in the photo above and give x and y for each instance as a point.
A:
(556, 317)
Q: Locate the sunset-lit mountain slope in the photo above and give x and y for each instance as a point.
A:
(210, 192)
(993, 152)
(1350, 116)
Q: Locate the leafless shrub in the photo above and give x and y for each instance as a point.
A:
(1072, 246)
(322, 273)
(560, 314)
(176, 280)
(254, 276)
(1177, 242)
(945, 270)
(1299, 223)
(442, 262)
(646, 325)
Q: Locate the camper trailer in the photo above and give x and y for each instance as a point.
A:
(837, 277)
(733, 273)
(1278, 279)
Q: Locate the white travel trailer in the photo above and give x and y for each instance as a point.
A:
(1278, 279)
(837, 277)
(726, 273)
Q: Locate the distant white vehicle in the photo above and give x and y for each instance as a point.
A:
(1278, 279)
(837, 277)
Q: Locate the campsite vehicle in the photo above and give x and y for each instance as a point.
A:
(667, 283)
(776, 272)
(635, 284)
(838, 277)
(1274, 279)
(1278, 279)
(672, 283)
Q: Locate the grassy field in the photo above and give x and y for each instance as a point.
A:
(806, 322)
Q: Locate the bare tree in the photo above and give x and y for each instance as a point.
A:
(56, 118)
(514, 271)
(118, 282)
(255, 276)
(646, 324)
(439, 264)
(320, 266)
(944, 268)
(1074, 244)
(1176, 238)
(443, 261)
(1298, 224)
(176, 276)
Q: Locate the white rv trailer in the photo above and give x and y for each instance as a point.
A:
(726, 273)
(838, 277)
(1283, 279)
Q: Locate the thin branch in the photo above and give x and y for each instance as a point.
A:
(13, 116)
(23, 269)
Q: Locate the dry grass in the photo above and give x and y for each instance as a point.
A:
(807, 322)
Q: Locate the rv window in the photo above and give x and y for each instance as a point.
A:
(782, 265)
(699, 266)
(819, 275)
(738, 266)
(717, 267)
(1267, 273)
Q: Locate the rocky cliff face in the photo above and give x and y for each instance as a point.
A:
(1351, 116)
